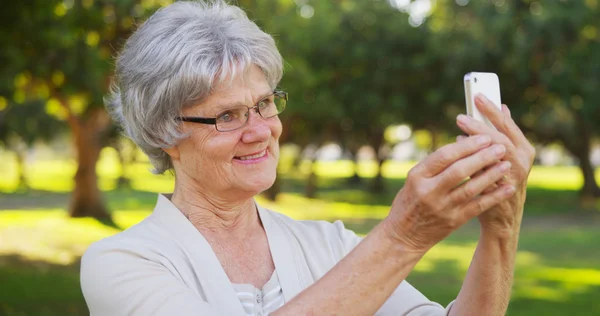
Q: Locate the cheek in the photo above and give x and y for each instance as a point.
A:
(199, 150)
(218, 148)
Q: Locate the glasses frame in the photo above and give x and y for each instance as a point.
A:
(213, 120)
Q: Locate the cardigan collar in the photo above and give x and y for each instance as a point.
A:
(213, 280)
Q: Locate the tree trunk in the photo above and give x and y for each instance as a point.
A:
(86, 200)
(590, 190)
(23, 185)
(122, 182)
(590, 186)
(377, 141)
(311, 183)
(580, 148)
(355, 179)
(378, 185)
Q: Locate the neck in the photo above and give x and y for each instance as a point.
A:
(215, 215)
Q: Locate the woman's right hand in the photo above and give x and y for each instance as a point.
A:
(436, 199)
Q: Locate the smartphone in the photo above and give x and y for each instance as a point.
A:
(486, 83)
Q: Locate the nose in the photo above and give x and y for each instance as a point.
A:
(257, 128)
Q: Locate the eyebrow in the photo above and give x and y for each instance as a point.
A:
(224, 106)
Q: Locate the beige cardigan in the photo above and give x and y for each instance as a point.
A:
(163, 266)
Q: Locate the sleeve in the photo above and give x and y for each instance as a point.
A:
(405, 300)
(119, 281)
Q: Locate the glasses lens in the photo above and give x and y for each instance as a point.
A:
(271, 105)
(268, 107)
(280, 101)
(231, 119)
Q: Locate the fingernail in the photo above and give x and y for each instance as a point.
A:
(463, 119)
(505, 166)
(483, 139)
(499, 150)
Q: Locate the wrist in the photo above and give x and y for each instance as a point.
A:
(506, 234)
(402, 243)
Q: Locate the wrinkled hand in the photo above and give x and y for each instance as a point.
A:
(505, 216)
(436, 200)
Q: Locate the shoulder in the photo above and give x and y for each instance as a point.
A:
(320, 234)
(144, 237)
(143, 246)
(136, 272)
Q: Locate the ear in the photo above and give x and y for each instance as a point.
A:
(173, 152)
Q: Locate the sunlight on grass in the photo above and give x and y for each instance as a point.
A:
(33, 236)
(299, 207)
(534, 279)
(52, 236)
(57, 175)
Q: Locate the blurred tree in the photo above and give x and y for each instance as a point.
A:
(61, 52)
(346, 70)
(547, 54)
(21, 127)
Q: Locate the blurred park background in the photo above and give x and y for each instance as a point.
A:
(375, 85)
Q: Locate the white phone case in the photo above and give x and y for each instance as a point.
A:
(486, 83)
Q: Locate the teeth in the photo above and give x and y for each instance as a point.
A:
(260, 154)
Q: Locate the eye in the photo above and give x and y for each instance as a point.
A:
(265, 103)
(226, 116)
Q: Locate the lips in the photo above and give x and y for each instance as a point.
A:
(252, 156)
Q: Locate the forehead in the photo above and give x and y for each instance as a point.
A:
(243, 88)
(250, 82)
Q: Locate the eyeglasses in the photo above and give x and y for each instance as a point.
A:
(237, 117)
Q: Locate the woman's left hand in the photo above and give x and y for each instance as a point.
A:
(506, 216)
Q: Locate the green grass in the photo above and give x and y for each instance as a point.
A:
(558, 263)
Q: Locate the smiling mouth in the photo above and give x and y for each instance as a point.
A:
(255, 156)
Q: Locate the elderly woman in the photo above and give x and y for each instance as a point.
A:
(196, 89)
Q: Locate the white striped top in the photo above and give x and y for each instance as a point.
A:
(260, 302)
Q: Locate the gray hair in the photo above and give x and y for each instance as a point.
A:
(175, 60)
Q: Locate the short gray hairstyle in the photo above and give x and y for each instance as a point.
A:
(175, 60)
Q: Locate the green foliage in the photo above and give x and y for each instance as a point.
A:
(353, 68)
(61, 51)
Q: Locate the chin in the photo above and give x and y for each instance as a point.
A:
(260, 183)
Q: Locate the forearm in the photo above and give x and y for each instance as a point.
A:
(487, 286)
(361, 282)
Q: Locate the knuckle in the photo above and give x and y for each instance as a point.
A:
(467, 191)
(421, 193)
(449, 153)
(410, 176)
(413, 177)
(494, 151)
(445, 155)
(506, 142)
(452, 222)
(480, 205)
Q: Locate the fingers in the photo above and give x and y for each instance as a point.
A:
(474, 127)
(484, 202)
(447, 155)
(501, 119)
(521, 156)
(482, 183)
(470, 165)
